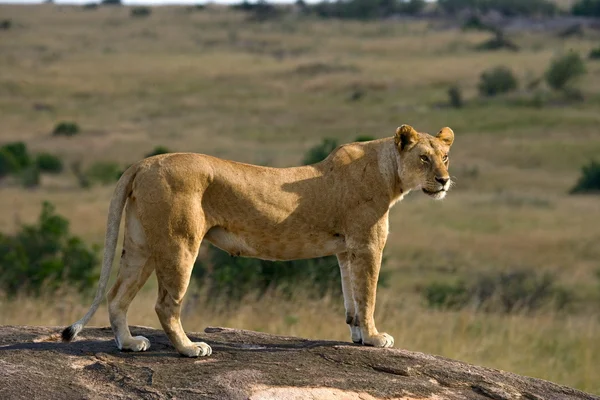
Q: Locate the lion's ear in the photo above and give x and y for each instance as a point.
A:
(446, 135)
(405, 136)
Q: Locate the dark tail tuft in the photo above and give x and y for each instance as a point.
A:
(68, 334)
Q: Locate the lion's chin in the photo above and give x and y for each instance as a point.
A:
(436, 194)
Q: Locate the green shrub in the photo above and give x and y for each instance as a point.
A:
(517, 290)
(66, 129)
(111, 2)
(260, 10)
(411, 7)
(475, 23)
(20, 153)
(563, 70)
(8, 163)
(496, 81)
(45, 255)
(594, 54)
(586, 8)
(104, 172)
(320, 151)
(137, 12)
(509, 8)
(158, 150)
(6, 24)
(589, 181)
(364, 138)
(365, 9)
(498, 42)
(49, 163)
(446, 295)
(231, 278)
(455, 96)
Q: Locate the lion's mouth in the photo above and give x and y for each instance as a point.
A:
(433, 192)
(436, 194)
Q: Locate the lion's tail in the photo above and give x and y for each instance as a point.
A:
(115, 211)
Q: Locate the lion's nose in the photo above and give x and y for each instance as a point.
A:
(442, 181)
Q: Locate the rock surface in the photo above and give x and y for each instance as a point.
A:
(34, 364)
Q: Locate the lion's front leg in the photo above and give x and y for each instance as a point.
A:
(364, 271)
(351, 316)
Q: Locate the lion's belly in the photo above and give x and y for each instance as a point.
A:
(276, 245)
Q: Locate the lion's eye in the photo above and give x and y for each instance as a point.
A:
(445, 158)
(424, 158)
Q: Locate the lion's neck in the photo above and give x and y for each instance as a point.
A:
(389, 164)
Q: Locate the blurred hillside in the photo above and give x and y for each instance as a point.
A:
(265, 88)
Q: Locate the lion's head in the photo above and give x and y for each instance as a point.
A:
(424, 160)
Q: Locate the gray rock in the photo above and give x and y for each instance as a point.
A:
(34, 364)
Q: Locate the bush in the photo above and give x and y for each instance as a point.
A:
(498, 42)
(5, 24)
(589, 181)
(158, 150)
(518, 290)
(45, 255)
(104, 172)
(137, 12)
(446, 295)
(411, 7)
(8, 163)
(509, 8)
(261, 10)
(455, 97)
(496, 81)
(586, 8)
(594, 54)
(66, 129)
(320, 151)
(49, 163)
(366, 9)
(563, 70)
(364, 138)
(111, 2)
(19, 152)
(231, 278)
(474, 22)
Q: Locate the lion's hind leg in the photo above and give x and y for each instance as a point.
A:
(173, 270)
(133, 273)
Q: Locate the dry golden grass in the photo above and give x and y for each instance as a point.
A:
(212, 82)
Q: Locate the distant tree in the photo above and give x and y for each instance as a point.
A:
(320, 151)
(586, 8)
(509, 8)
(563, 70)
(48, 163)
(496, 81)
(46, 255)
(66, 128)
(589, 181)
(158, 150)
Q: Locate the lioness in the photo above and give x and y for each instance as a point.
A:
(338, 206)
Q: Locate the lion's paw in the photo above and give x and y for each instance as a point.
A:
(355, 334)
(197, 349)
(136, 343)
(379, 340)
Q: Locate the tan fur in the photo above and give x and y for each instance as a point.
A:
(338, 206)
